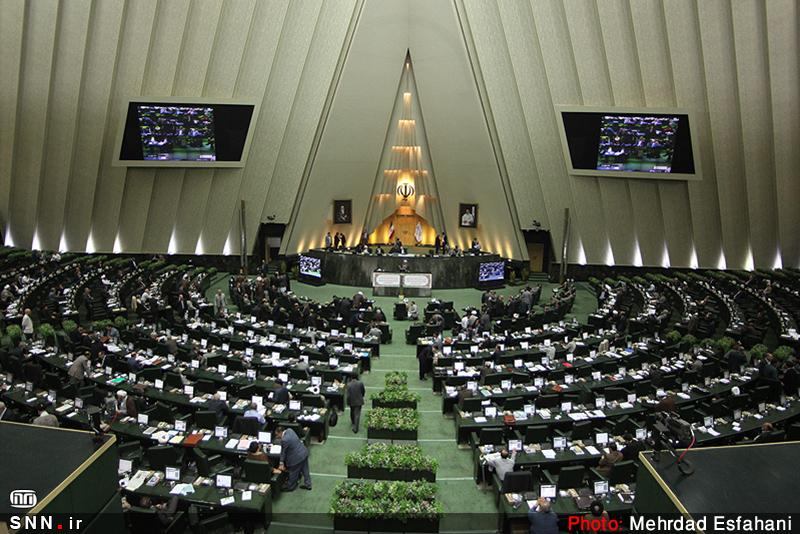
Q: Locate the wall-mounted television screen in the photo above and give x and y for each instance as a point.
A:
(492, 271)
(310, 266)
(185, 134)
(628, 143)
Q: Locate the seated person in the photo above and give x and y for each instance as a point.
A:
(609, 459)
(253, 412)
(502, 465)
(542, 519)
(254, 452)
(413, 311)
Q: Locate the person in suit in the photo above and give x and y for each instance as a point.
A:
(632, 448)
(608, 460)
(253, 412)
(425, 355)
(282, 394)
(328, 241)
(355, 400)
(126, 405)
(736, 359)
(294, 458)
(78, 369)
(218, 406)
(542, 519)
(437, 244)
(45, 418)
(768, 371)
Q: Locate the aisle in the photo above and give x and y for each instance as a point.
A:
(467, 509)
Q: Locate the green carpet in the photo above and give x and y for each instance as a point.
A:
(467, 508)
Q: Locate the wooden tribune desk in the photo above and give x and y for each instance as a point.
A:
(388, 284)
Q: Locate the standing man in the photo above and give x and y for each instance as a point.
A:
(328, 241)
(355, 399)
(27, 324)
(219, 304)
(294, 458)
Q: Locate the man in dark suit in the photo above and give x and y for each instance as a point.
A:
(294, 458)
(736, 359)
(768, 371)
(543, 520)
(355, 399)
(281, 395)
(218, 406)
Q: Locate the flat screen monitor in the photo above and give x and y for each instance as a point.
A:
(548, 491)
(601, 438)
(559, 442)
(641, 433)
(492, 271)
(601, 487)
(175, 132)
(631, 143)
(295, 405)
(125, 466)
(310, 266)
(173, 473)
(223, 481)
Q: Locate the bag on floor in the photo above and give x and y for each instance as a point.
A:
(334, 418)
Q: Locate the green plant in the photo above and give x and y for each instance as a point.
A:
(688, 341)
(382, 499)
(14, 332)
(393, 419)
(758, 351)
(47, 332)
(121, 322)
(783, 352)
(395, 378)
(392, 457)
(725, 344)
(397, 394)
(99, 326)
(69, 326)
(673, 337)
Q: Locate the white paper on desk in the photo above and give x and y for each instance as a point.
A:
(713, 432)
(225, 501)
(684, 395)
(182, 489)
(206, 437)
(625, 405)
(247, 495)
(549, 453)
(232, 443)
(480, 419)
(591, 450)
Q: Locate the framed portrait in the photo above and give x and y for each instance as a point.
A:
(342, 211)
(468, 215)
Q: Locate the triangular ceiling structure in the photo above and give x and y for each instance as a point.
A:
(353, 134)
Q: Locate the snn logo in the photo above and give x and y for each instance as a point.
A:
(23, 498)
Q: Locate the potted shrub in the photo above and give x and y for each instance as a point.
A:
(392, 423)
(48, 334)
(783, 353)
(758, 351)
(385, 506)
(69, 326)
(725, 344)
(384, 461)
(121, 323)
(14, 333)
(673, 337)
(395, 397)
(688, 341)
(395, 378)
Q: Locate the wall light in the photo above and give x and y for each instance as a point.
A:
(173, 245)
(117, 244)
(665, 257)
(748, 261)
(721, 263)
(35, 245)
(62, 244)
(637, 254)
(778, 263)
(609, 254)
(90, 244)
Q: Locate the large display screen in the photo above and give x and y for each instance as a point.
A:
(185, 134)
(310, 266)
(492, 271)
(616, 143)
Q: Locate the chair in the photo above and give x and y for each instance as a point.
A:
(257, 471)
(581, 430)
(159, 457)
(131, 450)
(568, 478)
(491, 436)
(471, 405)
(161, 412)
(621, 473)
(517, 482)
(547, 401)
(249, 426)
(514, 403)
(314, 401)
(205, 386)
(793, 432)
(536, 434)
(173, 380)
(209, 466)
(205, 419)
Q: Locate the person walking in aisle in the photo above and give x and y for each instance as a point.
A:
(355, 400)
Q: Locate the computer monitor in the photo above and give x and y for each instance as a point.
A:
(142, 418)
(559, 442)
(641, 433)
(601, 487)
(265, 437)
(490, 411)
(295, 405)
(316, 380)
(173, 473)
(283, 377)
(601, 438)
(159, 383)
(220, 432)
(708, 421)
(180, 426)
(514, 445)
(223, 481)
(547, 491)
(125, 466)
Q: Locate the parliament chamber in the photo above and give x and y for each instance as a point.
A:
(456, 266)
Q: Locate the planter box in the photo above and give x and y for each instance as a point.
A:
(385, 525)
(381, 473)
(394, 404)
(382, 433)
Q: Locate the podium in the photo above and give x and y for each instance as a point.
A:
(392, 284)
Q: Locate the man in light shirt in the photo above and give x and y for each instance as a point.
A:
(27, 324)
(253, 412)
